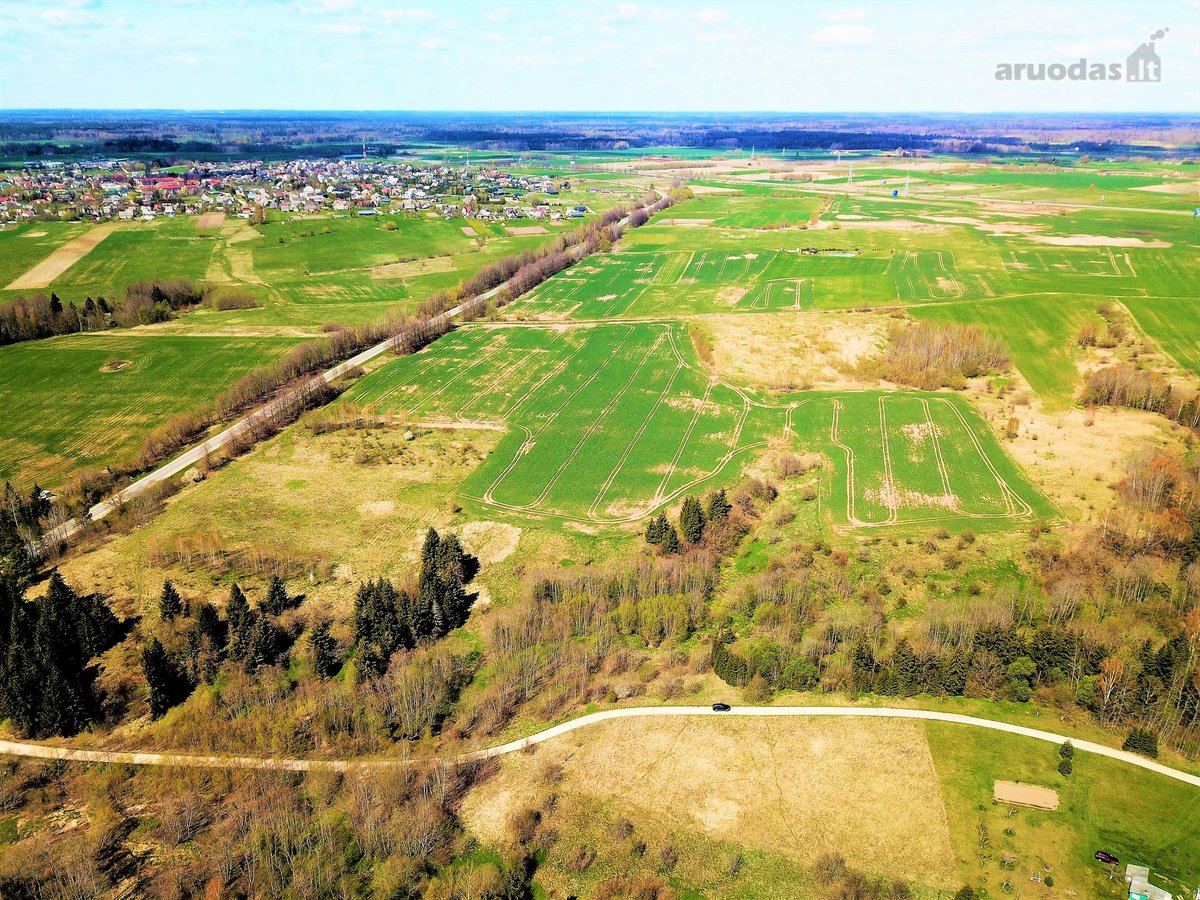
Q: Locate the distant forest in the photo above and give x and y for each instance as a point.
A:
(40, 133)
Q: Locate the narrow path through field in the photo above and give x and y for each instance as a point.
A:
(299, 764)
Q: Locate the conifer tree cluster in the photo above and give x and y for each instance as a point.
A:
(387, 620)
(248, 636)
(46, 647)
(693, 519)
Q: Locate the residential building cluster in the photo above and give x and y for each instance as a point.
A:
(113, 189)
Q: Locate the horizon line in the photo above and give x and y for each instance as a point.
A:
(608, 112)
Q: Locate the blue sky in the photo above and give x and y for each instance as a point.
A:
(858, 55)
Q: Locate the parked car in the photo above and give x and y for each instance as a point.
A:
(1107, 858)
(721, 707)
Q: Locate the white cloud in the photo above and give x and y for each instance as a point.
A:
(405, 13)
(432, 43)
(845, 14)
(328, 7)
(345, 28)
(844, 35)
(712, 16)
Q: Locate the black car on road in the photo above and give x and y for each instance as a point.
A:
(721, 707)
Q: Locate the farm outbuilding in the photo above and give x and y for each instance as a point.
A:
(1140, 888)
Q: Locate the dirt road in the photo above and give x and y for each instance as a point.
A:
(188, 760)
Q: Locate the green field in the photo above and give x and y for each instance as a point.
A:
(24, 246)
(1103, 805)
(63, 414)
(1039, 333)
(608, 423)
(903, 458)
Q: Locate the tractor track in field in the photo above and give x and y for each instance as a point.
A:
(612, 476)
(595, 424)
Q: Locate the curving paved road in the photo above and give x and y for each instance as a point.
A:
(187, 760)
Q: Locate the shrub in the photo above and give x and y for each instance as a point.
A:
(928, 356)
(1064, 767)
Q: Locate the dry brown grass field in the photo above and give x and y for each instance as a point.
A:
(867, 790)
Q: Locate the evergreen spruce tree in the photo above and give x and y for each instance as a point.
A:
(263, 645)
(429, 551)
(906, 668)
(455, 602)
(654, 531)
(160, 678)
(954, 681)
(691, 520)
(718, 506)
(438, 617)
(428, 592)
(670, 541)
(862, 667)
(325, 655)
(170, 604)
(209, 625)
(236, 609)
(450, 558)
(241, 622)
(277, 601)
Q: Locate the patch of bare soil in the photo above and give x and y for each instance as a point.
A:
(211, 220)
(1025, 795)
(492, 542)
(424, 266)
(1097, 240)
(1172, 187)
(731, 294)
(518, 230)
(911, 225)
(919, 432)
(377, 509)
(116, 365)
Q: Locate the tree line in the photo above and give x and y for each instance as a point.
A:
(143, 303)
